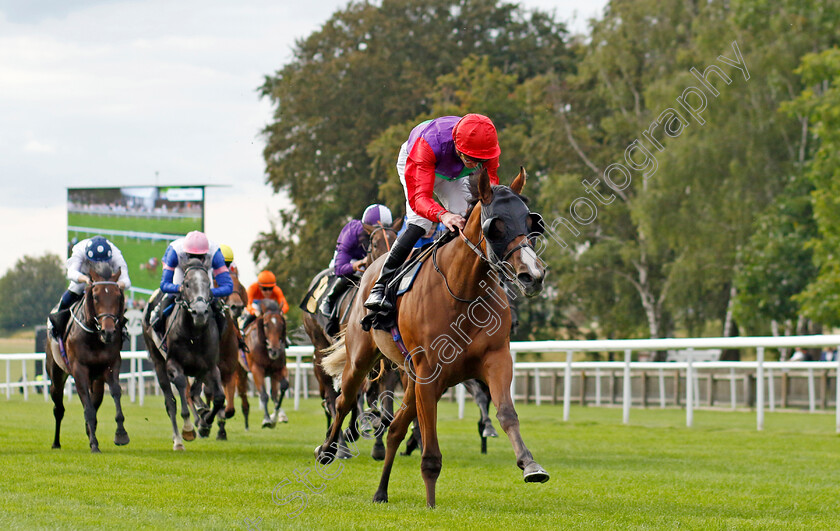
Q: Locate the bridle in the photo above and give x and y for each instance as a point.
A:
(187, 304)
(380, 227)
(489, 256)
(97, 318)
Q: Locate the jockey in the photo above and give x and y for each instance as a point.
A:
(193, 245)
(83, 256)
(350, 251)
(437, 157)
(265, 288)
(227, 254)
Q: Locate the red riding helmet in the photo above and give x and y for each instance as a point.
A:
(475, 136)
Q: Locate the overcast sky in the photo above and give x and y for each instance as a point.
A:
(113, 92)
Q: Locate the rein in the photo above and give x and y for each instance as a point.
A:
(387, 242)
(477, 250)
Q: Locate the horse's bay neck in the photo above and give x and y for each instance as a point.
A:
(464, 268)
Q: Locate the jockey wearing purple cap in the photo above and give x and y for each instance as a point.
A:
(350, 250)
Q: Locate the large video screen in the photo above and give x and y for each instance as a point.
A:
(141, 221)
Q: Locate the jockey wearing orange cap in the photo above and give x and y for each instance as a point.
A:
(265, 288)
(438, 155)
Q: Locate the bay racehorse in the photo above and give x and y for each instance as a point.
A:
(381, 237)
(91, 353)
(192, 349)
(455, 325)
(266, 339)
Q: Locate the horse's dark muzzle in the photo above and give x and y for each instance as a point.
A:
(530, 285)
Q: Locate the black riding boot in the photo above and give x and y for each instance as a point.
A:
(156, 318)
(61, 316)
(328, 304)
(396, 256)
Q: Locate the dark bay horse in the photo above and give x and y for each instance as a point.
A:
(192, 349)
(455, 323)
(266, 339)
(381, 239)
(92, 348)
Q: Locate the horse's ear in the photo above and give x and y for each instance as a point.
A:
(116, 275)
(519, 182)
(485, 191)
(398, 224)
(368, 228)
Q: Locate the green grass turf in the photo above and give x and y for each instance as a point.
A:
(140, 224)
(654, 473)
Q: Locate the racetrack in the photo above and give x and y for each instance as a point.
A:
(654, 473)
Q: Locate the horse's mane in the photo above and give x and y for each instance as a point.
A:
(103, 269)
(195, 262)
(270, 306)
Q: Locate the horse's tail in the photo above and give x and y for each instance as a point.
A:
(335, 357)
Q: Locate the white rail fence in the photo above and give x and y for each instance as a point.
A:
(761, 372)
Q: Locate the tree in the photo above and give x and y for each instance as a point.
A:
(777, 263)
(369, 68)
(29, 290)
(820, 103)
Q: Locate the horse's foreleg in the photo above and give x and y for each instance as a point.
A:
(385, 405)
(259, 381)
(83, 387)
(194, 400)
(281, 377)
(396, 435)
(427, 398)
(498, 372)
(213, 380)
(230, 408)
(179, 379)
(121, 436)
(168, 398)
(57, 379)
(481, 394)
(242, 389)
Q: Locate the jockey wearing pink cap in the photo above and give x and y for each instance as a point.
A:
(194, 245)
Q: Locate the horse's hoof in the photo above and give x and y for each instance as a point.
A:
(178, 447)
(268, 424)
(221, 436)
(534, 473)
(380, 497)
(56, 446)
(378, 452)
(489, 431)
(281, 416)
(188, 435)
(323, 457)
(121, 439)
(204, 431)
(95, 450)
